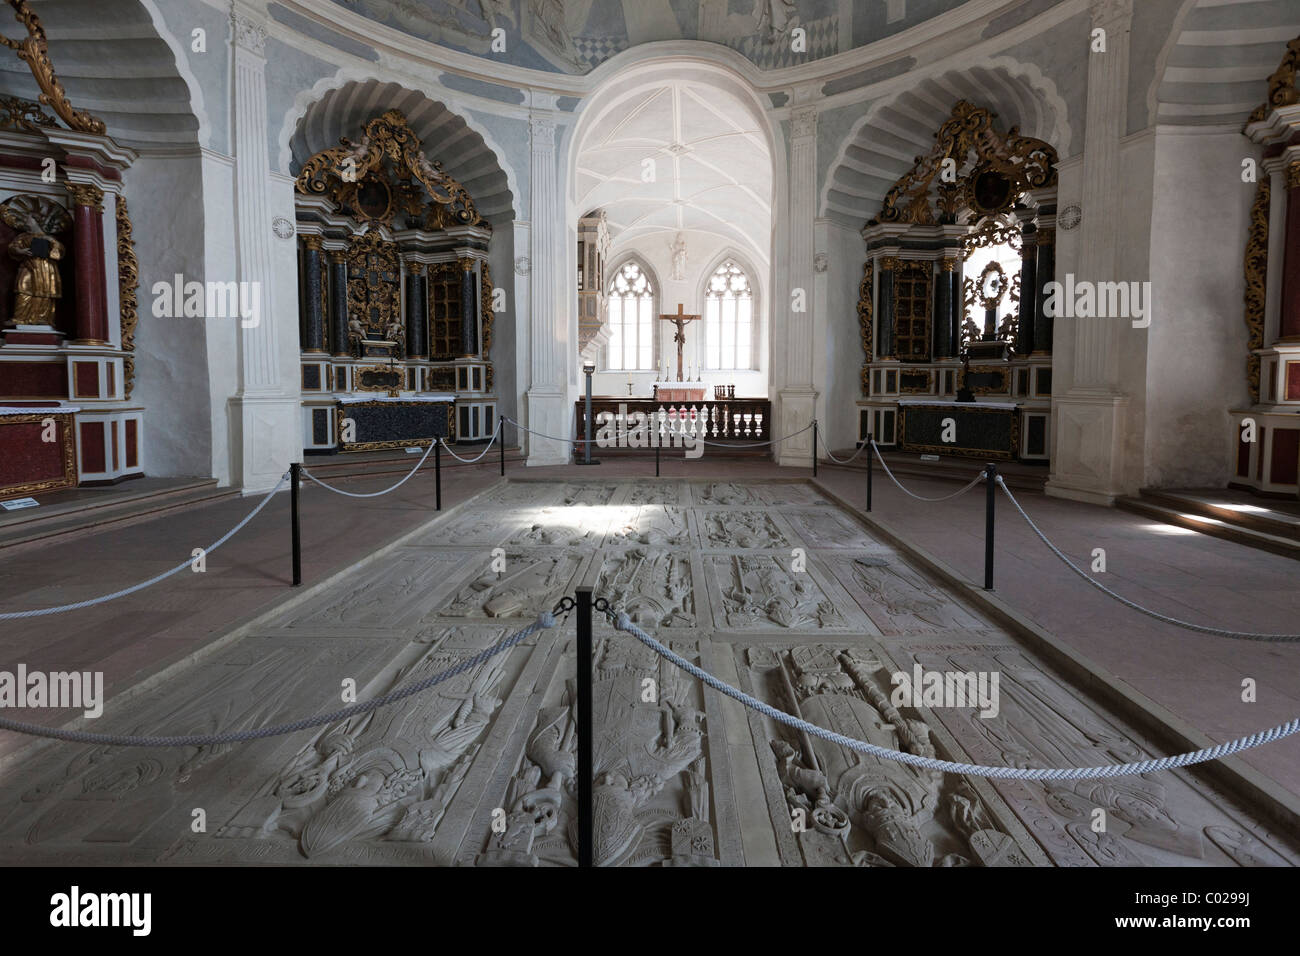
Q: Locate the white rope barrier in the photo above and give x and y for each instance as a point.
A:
(488, 448)
(881, 458)
(1187, 625)
(372, 494)
(623, 623)
(15, 615)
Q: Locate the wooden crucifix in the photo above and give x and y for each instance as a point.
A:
(679, 319)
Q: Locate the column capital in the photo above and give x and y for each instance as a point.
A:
(803, 122)
(87, 194)
(312, 242)
(541, 126)
(248, 32)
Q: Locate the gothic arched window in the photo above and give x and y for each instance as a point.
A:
(631, 320)
(728, 319)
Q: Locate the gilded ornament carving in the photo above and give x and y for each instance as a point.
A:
(1282, 84)
(87, 194)
(34, 51)
(128, 282)
(1293, 174)
(993, 232)
(312, 242)
(374, 295)
(1011, 164)
(488, 317)
(1256, 271)
(24, 115)
(866, 320)
(377, 177)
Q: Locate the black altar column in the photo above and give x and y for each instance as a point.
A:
(338, 276)
(956, 302)
(885, 309)
(313, 331)
(1044, 274)
(468, 308)
(417, 311)
(943, 346)
(1028, 292)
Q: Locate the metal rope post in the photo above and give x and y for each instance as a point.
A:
(990, 498)
(814, 453)
(437, 474)
(501, 430)
(585, 773)
(295, 472)
(655, 435)
(871, 466)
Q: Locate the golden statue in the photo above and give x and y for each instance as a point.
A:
(37, 286)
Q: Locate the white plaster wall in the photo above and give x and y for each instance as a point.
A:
(838, 356)
(1196, 367)
(1133, 264)
(704, 252)
(172, 354)
(221, 335)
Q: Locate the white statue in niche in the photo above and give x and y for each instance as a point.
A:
(679, 258)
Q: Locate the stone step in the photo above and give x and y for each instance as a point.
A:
(1281, 519)
(83, 510)
(1210, 524)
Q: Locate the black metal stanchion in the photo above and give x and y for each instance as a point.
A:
(657, 444)
(501, 437)
(437, 474)
(814, 448)
(295, 479)
(871, 466)
(991, 479)
(585, 828)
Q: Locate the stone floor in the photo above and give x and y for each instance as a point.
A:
(766, 583)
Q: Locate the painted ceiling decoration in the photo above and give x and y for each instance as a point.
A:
(990, 171)
(377, 177)
(575, 36)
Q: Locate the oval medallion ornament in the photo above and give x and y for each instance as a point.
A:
(282, 227)
(523, 265)
(1070, 217)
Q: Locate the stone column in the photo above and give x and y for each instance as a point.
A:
(1289, 325)
(547, 392)
(1088, 458)
(266, 408)
(798, 397)
(313, 329)
(88, 254)
(468, 307)
(338, 293)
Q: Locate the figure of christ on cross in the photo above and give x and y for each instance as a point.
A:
(679, 320)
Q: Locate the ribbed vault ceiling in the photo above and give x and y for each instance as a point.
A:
(444, 135)
(712, 171)
(1225, 52)
(112, 64)
(898, 132)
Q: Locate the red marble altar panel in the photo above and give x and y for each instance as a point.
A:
(92, 446)
(1293, 381)
(132, 446)
(86, 378)
(27, 462)
(33, 380)
(1286, 456)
